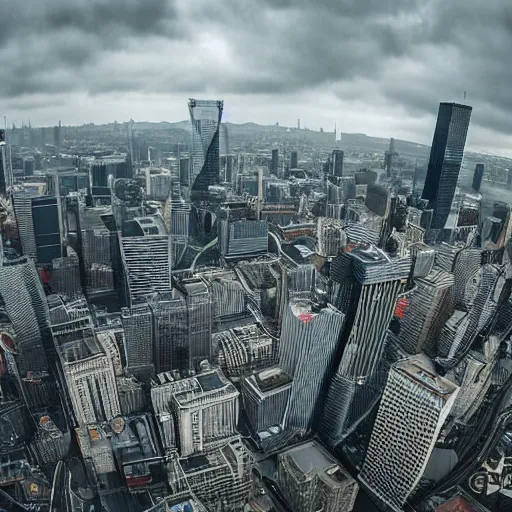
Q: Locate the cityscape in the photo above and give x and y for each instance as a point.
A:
(255, 256)
(205, 316)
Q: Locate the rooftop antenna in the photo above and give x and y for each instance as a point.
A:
(465, 96)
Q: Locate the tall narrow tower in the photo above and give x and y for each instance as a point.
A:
(205, 117)
(446, 159)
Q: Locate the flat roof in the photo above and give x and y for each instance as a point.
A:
(311, 456)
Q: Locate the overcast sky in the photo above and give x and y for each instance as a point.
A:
(378, 67)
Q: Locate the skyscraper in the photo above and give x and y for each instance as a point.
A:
(366, 284)
(388, 157)
(3, 163)
(205, 117)
(293, 160)
(309, 341)
(39, 226)
(205, 408)
(311, 479)
(337, 162)
(477, 177)
(275, 159)
(445, 159)
(414, 395)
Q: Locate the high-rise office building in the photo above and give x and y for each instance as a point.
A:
(265, 396)
(308, 361)
(39, 226)
(205, 408)
(293, 160)
(205, 117)
(243, 238)
(146, 259)
(414, 395)
(424, 311)
(221, 477)
(337, 162)
(311, 479)
(138, 330)
(478, 176)
(445, 160)
(3, 163)
(366, 284)
(199, 308)
(274, 162)
(389, 156)
(171, 332)
(26, 305)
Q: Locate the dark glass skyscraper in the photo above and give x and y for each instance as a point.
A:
(445, 159)
(337, 162)
(293, 160)
(477, 177)
(204, 169)
(275, 158)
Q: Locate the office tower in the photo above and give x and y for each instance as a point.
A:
(101, 169)
(474, 375)
(244, 349)
(243, 238)
(445, 160)
(177, 218)
(199, 309)
(224, 139)
(228, 297)
(337, 162)
(424, 311)
(265, 396)
(364, 275)
(275, 160)
(467, 263)
(414, 395)
(146, 259)
(28, 166)
(39, 226)
(131, 395)
(482, 297)
(205, 117)
(171, 329)
(99, 249)
(309, 340)
(138, 330)
(331, 237)
(389, 156)
(366, 283)
(26, 305)
(158, 185)
(311, 479)
(205, 408)
(293, 160)
(478, 177)
(221, 477)
(4, 181)
(66, 276)
(92, 385)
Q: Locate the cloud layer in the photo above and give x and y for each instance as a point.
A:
(379, 66)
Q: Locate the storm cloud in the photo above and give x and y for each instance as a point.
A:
(379, 66)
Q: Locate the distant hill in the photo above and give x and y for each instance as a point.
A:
(350, 141)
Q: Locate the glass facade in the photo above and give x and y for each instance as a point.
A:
(204, 169)
(445, 159)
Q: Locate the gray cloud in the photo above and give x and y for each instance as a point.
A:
(405, 55)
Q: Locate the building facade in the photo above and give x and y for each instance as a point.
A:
(446, 159)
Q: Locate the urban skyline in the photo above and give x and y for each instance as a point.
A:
(379, 80)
